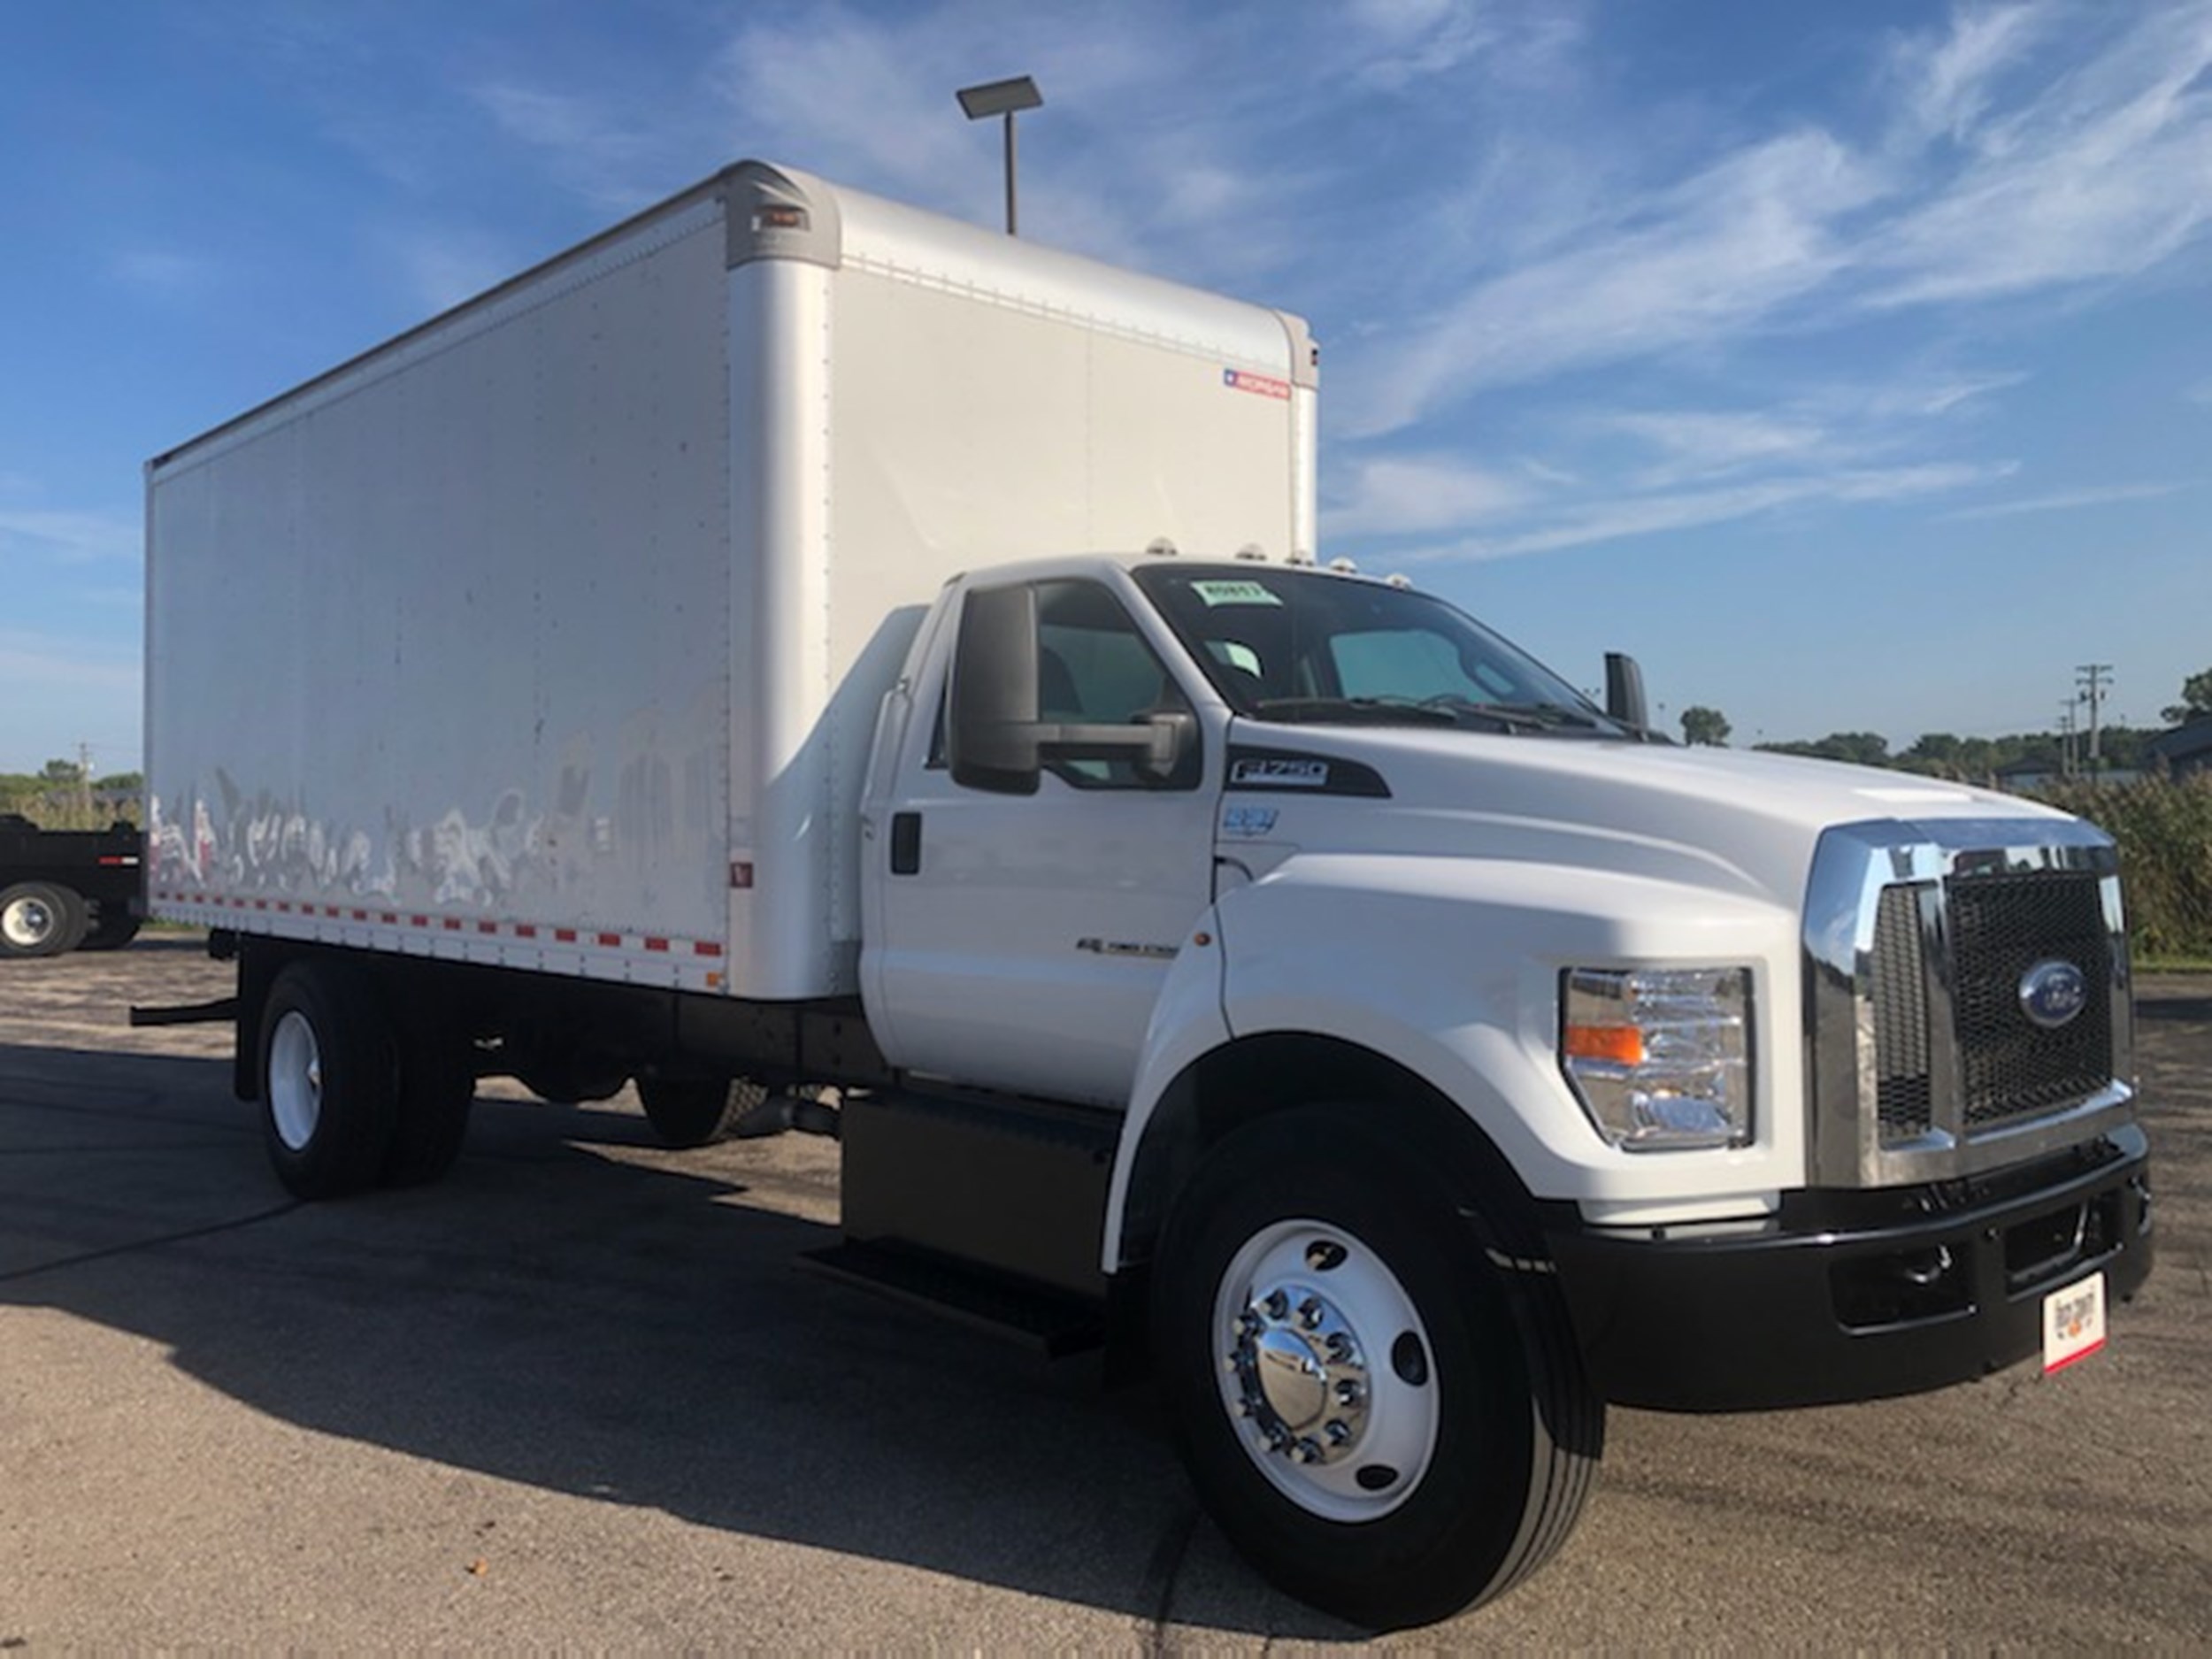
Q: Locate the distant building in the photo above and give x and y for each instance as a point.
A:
(2186, 749)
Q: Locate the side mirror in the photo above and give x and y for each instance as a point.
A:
(991, 737)
(1624, 690)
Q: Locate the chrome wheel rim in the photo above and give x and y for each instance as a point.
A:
(295, 1080)
(27, 923)
(1325, 1370)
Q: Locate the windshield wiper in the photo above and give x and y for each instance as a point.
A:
(1520, 714)
(1369, 710)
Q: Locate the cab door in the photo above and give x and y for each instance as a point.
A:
(1020, 940)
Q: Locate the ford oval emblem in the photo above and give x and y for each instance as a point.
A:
(2051, 993)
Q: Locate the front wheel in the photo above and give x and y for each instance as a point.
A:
(1383, 1419)
(39, 918)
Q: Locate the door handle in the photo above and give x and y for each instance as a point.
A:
(906, 843)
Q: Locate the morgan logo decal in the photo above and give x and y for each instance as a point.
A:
(1265, 386)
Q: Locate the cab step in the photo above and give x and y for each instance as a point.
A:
(1050, 1322)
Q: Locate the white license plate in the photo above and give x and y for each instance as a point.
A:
(2073, 1323)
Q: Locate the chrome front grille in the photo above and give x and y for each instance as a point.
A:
(1903, 1082)
(1925, 1063)
(2002, 926)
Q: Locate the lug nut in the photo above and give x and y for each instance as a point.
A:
(1310, 1313)
(1309, 1451)
(1277, 1305)
(1339, 1432)
(1340, 1347)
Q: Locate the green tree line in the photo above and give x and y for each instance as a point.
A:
(61, 796)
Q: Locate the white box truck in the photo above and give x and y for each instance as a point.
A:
(844, 669)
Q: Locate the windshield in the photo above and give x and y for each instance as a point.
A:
(1305, 645)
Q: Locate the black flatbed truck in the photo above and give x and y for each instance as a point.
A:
(63, 889)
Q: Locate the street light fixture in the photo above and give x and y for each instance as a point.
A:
(1006, 98)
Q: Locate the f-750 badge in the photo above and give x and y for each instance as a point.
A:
(1281, 773)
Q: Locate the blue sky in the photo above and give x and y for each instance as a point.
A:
(1851, 363)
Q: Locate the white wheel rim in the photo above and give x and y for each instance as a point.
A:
(1325, 1370)
(27, 923)
(295, 1080)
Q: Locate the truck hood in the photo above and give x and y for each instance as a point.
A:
(1736, 822)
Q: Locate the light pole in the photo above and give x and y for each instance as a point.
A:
(1006, 98)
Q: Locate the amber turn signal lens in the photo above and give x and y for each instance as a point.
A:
(1623, 1045)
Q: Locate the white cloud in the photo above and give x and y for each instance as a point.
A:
(2104, 170)
(1948, 85)
(1588, 522)
(1701, 442)
(1714, 255)
(2084, 158)
(71, 537)
(161, 271)
(443, 267)
(2099, 496)
(1402, 494)
(611, 161)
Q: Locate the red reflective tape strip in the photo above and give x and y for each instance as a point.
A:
(706, 947)
(612, 941)
(488, 927)
(525, 929)
(565, 935)
(453, 924)
(655, 944)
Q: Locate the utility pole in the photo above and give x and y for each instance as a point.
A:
(2091, 678)
(2068, 761)
(84, 781)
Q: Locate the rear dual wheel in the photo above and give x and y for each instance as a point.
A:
(352, 1097)
(1383, 1418)
(696, 1112)
(40, 918)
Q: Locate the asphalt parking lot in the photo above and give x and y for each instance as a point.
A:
(575, 1396)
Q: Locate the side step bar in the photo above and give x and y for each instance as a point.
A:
(1049, 1323)
(187, 1013)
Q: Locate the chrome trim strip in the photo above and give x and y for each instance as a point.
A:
(1851, 866)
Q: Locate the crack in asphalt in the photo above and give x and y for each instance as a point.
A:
(159, 1241)
(1161, 1574)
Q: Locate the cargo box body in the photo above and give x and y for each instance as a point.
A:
(551, 635)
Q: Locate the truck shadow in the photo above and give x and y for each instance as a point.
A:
(574, 1310)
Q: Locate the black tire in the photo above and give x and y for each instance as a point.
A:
(113, 927)
(696, 1112)
(437, 1089)
(40, 918)
(569, 1082)
(329, 1079)
(1461, 1457)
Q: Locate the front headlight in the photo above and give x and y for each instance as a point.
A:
(1660, 1057)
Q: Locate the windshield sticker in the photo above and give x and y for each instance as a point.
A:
(1235, 593)
(1265, 386)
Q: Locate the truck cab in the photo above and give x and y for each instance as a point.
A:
(1383, 954)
